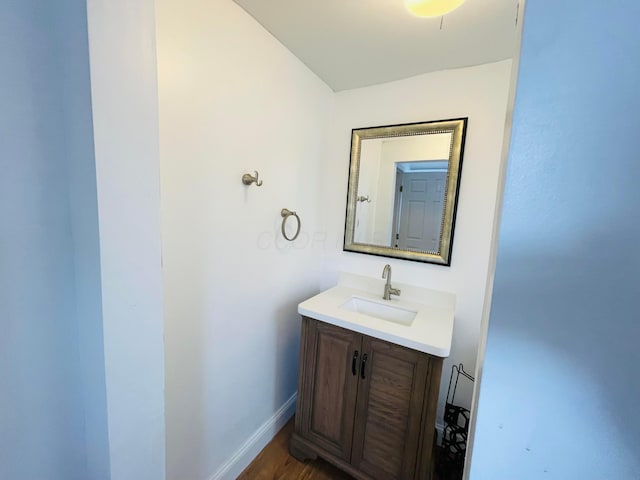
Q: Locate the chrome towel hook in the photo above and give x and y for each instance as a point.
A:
(285, 215)
(248, 179)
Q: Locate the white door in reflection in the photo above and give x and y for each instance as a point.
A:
(418, 209)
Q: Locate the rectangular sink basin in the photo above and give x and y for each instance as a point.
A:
(380, 309)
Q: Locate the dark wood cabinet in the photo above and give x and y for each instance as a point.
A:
(329, 389)
(366, 405)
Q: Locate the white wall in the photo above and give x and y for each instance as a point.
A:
(479, 93)
(232, 100)
(49, 311)
(559, 392)
(124, 94)
(70, 18)
(365, 227)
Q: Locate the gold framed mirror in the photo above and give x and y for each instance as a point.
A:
(403, 190)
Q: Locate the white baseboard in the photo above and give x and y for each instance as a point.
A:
(256, 442)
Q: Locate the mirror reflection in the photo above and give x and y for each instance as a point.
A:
(402, 190)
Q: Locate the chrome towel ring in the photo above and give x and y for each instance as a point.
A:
(285, 215)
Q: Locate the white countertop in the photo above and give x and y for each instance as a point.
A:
(430, 331)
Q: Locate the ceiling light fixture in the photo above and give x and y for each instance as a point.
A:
(431, 8)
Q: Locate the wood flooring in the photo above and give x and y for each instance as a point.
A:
(275, 463)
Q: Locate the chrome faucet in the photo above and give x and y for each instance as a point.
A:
(388, 289)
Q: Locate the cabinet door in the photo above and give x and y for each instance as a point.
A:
(389, 411)
(329, 386)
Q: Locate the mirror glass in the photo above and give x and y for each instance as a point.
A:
(403, 190)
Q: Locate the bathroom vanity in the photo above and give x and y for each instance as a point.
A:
(369, 378)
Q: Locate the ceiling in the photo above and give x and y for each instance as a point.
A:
(356, 43)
